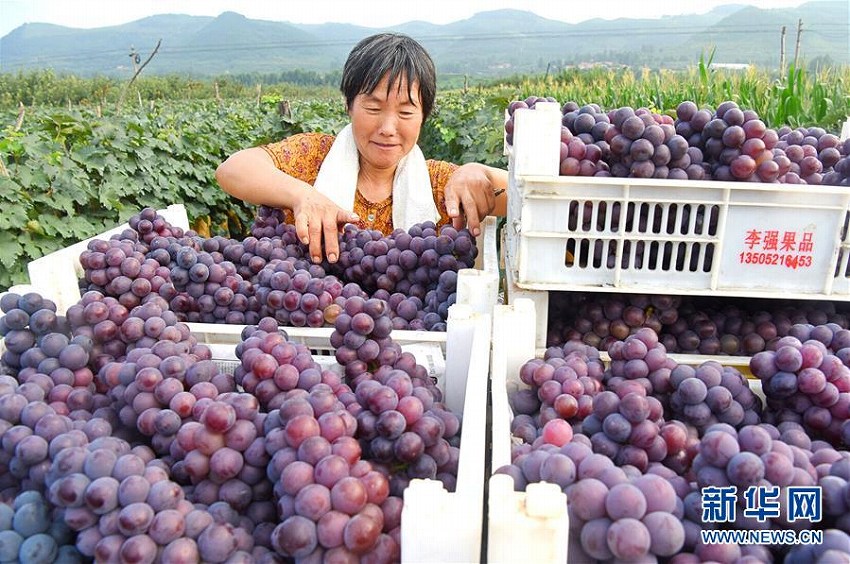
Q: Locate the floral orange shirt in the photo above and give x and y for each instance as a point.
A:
(301, 155)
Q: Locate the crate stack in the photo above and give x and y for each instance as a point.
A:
(548, 249)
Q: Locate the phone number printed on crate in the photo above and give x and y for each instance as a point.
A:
(772, 247)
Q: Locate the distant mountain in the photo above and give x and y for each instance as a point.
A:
(489, 44)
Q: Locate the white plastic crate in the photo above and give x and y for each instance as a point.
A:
(57, 274)
(701, 237)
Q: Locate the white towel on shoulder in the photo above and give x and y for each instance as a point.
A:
(413, 199)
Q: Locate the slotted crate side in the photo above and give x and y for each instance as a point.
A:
(57, 274)
(705, 237)
(696, 238)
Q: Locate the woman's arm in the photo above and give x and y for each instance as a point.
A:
(475, 191)
(252, 176)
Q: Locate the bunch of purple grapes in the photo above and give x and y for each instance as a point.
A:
(53, 361)
(362, 339)
(644, 144)
(154, 257)
(26, 321)
(32, 531)
(149, 225)
(400, 417)
(204, 286)
(735, 143)
(125, 507)
(584, 149)
(599, 320)
(418, 266)
(812, 151)
(805, 383)
(113, 330)
(294, 296)
(840, 173)
(589, 122)
(627, 428)
(271, 365)
(329, 501)
(626, 419)
(119, 268)
(157, 365)
(206, 280)
(220, 454)
(197, 285)
(639, 363)
(29, 428)
(404, 425)
(622, 514)
(561, 387)
(712, 393)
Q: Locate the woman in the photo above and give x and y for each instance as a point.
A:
(372, 173)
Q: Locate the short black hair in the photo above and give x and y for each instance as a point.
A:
(395, 54)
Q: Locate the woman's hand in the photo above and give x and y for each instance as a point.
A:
(317, 218)
(471, 195)
(251, 175)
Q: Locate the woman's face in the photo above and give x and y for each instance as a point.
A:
(386, 123)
